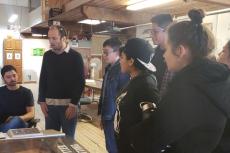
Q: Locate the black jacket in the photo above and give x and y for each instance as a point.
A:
(141, 88)
(62, 76)
(193, 113)
(159, 62)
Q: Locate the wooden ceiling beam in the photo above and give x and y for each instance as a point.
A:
(218, 2)
(54, 3)
(106, 14)
(97, 13)
(74, 4)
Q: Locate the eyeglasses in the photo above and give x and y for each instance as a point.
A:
(107, 53)
(155, 31)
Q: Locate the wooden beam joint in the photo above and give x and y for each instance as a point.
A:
(106, 14)
(218, 2)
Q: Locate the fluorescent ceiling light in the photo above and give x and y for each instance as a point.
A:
(91, 22)
(146, 4)
(38, 35)
(105, 31)
(13, 18)
(130, 2)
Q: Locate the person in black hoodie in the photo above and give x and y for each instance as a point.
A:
(192, 115)
(135, 59)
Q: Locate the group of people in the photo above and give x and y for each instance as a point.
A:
(188, 89)
(60, 87)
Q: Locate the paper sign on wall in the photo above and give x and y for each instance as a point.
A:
(38, 51)
(9, 56)
(17, 56)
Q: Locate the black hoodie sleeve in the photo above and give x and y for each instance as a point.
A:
(180, 111)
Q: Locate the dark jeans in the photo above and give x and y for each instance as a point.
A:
(14, 123)
(56, 120)
(110, 140)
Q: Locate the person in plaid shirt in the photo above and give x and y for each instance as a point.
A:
(159, 24)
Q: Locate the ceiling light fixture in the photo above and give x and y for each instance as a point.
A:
(13, 18)
(146, 4)
(38, 35)
(91, 22)
(130, 2)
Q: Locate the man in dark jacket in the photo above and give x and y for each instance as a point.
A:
(113, 81)
(159, 24)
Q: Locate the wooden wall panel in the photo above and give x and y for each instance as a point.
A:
(13, 55)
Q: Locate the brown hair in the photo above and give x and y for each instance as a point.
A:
(7, 68)
(162, 20)
(61, 30)
(192, 34)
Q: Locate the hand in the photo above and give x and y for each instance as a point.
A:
(8, 119)
(71, 112)
(44, 108)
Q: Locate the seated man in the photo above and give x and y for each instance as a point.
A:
(16, 102)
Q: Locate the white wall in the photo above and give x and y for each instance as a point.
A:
(15, 2)
(144, 33)
(32, 64)
(35, 16)
(223, 30)
(7, 10)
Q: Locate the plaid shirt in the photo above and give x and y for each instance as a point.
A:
(164, 84)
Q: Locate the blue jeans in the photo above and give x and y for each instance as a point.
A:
(110, 140)
(56, 120)
(14, 123)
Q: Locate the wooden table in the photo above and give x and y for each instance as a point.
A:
(95, 86)
(41, 145)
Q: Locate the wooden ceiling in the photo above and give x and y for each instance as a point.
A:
(115, 10)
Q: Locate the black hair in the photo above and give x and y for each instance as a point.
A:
(192, 34)
(162, 20)
(121, 49)
(61, 30)
(113, 42)
(136, 63)
(7, 68)
(137, 48)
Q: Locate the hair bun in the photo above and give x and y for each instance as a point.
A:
(196, 15)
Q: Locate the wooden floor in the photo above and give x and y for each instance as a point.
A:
(88, 135)
(91, 137)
